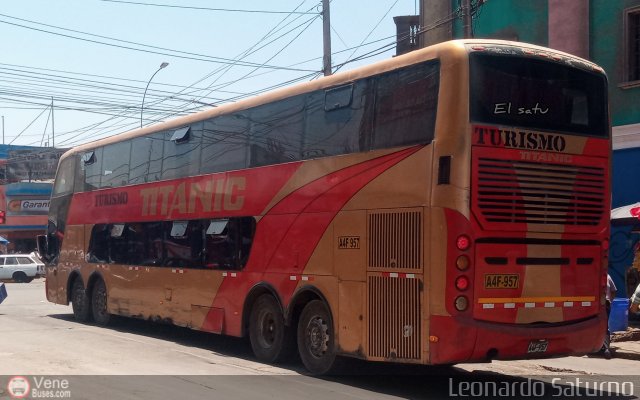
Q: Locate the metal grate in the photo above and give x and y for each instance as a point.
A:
(552, 194)
(394, 318)
(395, 240)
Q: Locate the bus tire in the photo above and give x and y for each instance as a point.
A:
(271, 340)
(80, 302)
(99, 303)
(316, 341)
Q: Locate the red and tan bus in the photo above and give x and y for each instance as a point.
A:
(443, 206)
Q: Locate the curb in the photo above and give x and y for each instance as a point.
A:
(625, 354)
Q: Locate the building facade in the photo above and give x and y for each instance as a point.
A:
(26, 176)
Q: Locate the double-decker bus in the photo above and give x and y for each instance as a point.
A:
(443, 206)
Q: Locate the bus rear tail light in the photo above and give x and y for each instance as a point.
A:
(462, 263)
(462, 283)
(462, 303)
(463, 242)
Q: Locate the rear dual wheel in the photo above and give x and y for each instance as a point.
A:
(86, 307)
(80, 302)
(99, 303)
(316, 339)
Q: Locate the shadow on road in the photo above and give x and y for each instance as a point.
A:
(405, 381)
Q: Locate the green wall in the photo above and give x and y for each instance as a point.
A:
(523, 20)
(606, 48)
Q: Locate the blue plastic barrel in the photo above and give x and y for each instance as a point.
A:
(619, 317)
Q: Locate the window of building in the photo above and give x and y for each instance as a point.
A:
(632, 44)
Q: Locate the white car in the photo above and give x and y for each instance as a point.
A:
(20, 267)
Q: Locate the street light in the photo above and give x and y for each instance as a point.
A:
(164, 64)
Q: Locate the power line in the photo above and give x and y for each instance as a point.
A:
(369, 34)
(31, 123)
(188, 56)
(206, 8)
(251, 50)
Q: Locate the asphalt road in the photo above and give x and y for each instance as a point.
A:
(133, 359)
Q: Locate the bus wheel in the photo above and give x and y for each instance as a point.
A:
(271, 340)
(316, 342)
(80, 301)
(99, 303)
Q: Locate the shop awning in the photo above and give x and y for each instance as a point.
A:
(626, 215)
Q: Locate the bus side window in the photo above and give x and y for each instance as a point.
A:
(152, 253)
(228, 243)
(184, 244)
(405, 107)
(99, 244)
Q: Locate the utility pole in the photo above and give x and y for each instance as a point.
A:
(3, 129)
(326, 38)
(466, 19)
(53, 131)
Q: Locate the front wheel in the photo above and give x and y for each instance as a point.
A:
(316, 341)
(80, 301)
(99, 303)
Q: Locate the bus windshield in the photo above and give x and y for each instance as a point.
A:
(533, 93)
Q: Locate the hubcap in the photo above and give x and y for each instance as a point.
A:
(318, 336)
(267, 329)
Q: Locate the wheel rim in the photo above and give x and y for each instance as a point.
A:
(317, 336)
(267, 324)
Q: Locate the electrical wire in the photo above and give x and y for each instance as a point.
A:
(205, 8)
(179, 54)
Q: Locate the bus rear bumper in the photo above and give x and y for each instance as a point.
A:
(456, 341)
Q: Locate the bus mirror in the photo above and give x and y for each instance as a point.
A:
(43, 247)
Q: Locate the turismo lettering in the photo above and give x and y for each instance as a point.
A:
(111, 199)
(519, 139)
(187, 198)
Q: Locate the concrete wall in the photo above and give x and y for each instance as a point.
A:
(569, 26)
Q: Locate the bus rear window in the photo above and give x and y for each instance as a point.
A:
(537, 94)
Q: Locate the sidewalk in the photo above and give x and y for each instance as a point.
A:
(626, 344)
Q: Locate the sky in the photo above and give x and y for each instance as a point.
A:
(92, 59)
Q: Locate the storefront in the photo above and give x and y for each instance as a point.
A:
(27, 206)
